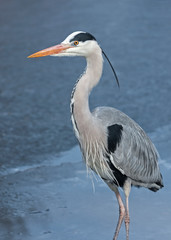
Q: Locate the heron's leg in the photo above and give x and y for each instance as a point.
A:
(121, 213)
(127, 219)
(127, 188)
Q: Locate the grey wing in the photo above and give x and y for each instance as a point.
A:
(135, 155)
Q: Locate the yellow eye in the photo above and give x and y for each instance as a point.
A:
(76, 43)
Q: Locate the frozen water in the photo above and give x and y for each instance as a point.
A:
(35, 93)
(57, 201)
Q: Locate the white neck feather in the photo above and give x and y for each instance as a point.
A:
(82, 117)
(89, 130)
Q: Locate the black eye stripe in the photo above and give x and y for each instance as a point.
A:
(82, 37)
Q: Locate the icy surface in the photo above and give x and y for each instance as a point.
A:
(35, 93)
(60, 201)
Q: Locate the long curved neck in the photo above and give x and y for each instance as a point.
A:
(81, 115)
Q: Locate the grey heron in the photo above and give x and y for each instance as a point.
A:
(113, 145)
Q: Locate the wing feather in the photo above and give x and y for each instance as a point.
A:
(135, 155)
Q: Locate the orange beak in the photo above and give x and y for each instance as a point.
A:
(50, 51)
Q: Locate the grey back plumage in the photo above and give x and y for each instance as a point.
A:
(135, 155)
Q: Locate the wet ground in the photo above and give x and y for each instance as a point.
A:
(41, 197)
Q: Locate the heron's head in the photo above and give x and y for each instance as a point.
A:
(76, 44)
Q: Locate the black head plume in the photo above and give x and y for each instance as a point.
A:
(111, 67)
